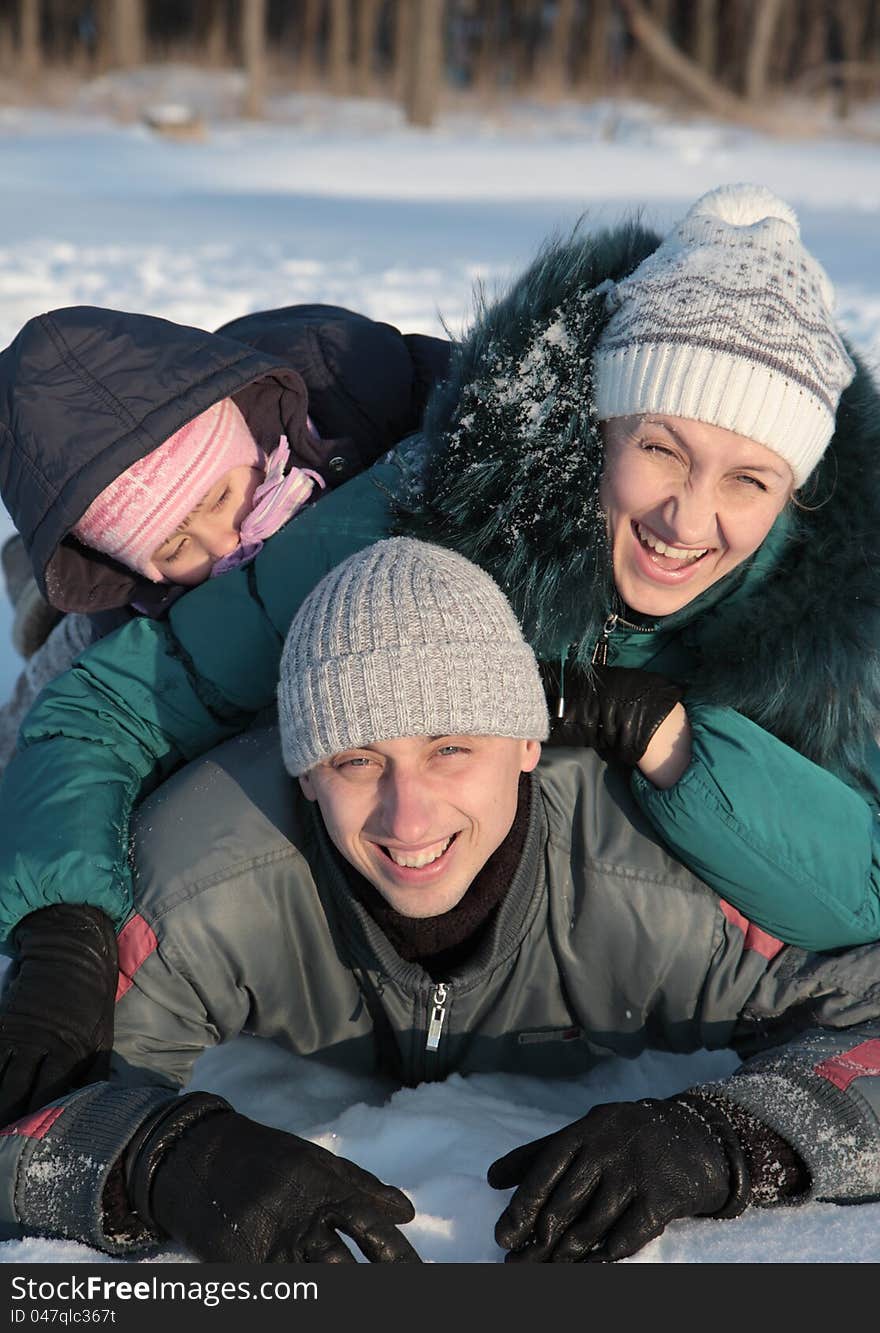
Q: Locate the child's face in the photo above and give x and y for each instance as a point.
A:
(210, 531)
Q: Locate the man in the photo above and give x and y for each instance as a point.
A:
(426, 899)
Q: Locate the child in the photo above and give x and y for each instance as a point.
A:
(90, 393)
(200, 504)
(139, 458)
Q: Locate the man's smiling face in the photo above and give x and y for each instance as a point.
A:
(420, 816)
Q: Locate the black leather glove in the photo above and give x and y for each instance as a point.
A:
(602, 1187)
(234, 1191)
(56, 1011)
(613, 710)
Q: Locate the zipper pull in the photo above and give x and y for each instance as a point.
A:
(560, 707)
(438, 1014)
(600, 652)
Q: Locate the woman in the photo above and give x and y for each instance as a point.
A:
(655, 469)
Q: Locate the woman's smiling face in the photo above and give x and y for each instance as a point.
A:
(685, 504)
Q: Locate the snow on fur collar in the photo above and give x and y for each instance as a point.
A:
(507, 472)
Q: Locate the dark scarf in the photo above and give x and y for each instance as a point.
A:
(439, 943)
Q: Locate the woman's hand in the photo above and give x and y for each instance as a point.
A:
(630, 717)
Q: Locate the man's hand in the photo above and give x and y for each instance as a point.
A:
(614, 710)
(56, 1012)
(234, 1191)
(602, 1187)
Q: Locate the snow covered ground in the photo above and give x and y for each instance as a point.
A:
(341, 203)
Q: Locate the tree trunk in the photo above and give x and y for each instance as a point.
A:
(426, 68)
(29, 52)
(758, 57)
(557, 64)
(686, 73)
(128, 33)
(215, 36)
(852, 33)
(309, 33)
(8, 53)
(367, 17)
(593, 50)
(788, 40)
(526, 15)
(814, 44)
(706, 35)
(403, 38)
(253, 51)
(488, 50)
(339, 47)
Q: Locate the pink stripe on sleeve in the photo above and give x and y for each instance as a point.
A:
(768, 946)
(842, 1069)
(36, 1125)
(136, 942)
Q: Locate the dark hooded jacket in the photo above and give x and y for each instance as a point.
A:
(775, 810)
(86, 392)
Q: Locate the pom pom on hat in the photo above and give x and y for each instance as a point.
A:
(744, 205)
(141, 509)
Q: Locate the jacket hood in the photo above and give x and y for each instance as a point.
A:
(85, 393)
(508, 473)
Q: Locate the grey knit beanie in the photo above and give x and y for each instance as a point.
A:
(404, 639)
(729, 322)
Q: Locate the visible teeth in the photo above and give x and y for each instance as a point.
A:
(415, 860)
(674, 552)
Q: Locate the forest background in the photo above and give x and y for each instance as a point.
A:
(787, 65)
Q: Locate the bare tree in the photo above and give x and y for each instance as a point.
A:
(367, 15)
(29, 52)
(786, 48)
(489, 49)
(426, 56)
(688, 75)
(339, 46)
(309, 32)
(852, 31)
(8, 54)
(210, 21)
(593, 54)
(128, 32)
(764, 27)
(253, 47)
(706, 35)
(557, 64)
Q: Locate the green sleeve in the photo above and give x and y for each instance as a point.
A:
(783, 840)
(151, 696)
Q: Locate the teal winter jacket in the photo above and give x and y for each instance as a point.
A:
(778, 808)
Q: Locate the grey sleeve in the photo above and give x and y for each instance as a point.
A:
(54, 1165)
(817, 1082)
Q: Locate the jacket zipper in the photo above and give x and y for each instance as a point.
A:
(600, 652)
(438, 1011)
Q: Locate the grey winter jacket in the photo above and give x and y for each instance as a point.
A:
(602, 945)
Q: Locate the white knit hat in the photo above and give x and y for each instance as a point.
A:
(729, 322)
(404, 639)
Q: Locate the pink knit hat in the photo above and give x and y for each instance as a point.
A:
(144, 505)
